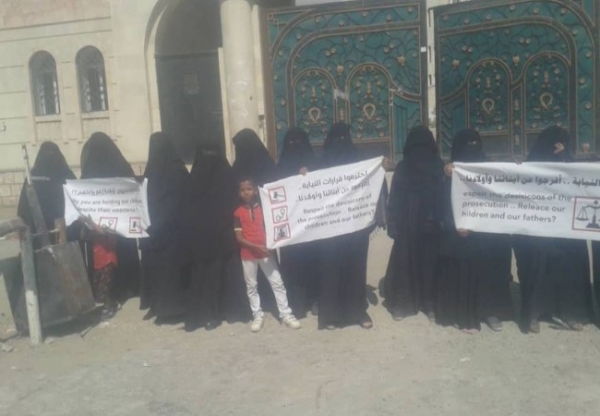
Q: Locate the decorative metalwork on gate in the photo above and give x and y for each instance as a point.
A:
(510, 68)
(358, 63)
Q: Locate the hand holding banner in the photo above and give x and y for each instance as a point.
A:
(537, 199)
(322, 204)
(119, 205)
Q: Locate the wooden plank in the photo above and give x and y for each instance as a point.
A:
(61, 229)
(37, 216)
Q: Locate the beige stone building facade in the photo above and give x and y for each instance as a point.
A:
(69, 68)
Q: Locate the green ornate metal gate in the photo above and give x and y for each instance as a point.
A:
(509, 68)
(362, 63)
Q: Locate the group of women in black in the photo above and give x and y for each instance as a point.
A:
(461, 278)
(190, 269)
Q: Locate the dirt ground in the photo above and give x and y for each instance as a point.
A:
(131, 367)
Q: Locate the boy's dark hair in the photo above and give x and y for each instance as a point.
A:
(246, 179)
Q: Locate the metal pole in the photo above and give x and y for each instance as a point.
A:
(27, 168)
(30, 283)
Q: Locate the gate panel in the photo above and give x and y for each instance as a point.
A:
(512, 68)
(361, 63)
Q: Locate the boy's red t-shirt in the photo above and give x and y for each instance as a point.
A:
(249, 220)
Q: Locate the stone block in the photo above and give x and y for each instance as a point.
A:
(15, 190)
(5, 191)
(9, 201)
(19, 177)
(9, 177)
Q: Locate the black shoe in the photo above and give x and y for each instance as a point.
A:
(191, 327)
(366, 322)
(168, 320)
(494, 323)
(107, 313)
(397, 316)
(431, 316)
(314, 309)
(210, 325)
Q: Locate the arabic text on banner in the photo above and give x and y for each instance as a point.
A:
(117, 204)
(323, 204)
(537, 199)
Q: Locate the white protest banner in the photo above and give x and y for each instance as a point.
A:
(537, 199)
(323, 204)
(117, 204)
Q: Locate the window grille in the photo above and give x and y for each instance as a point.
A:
(44, 84)
(92, 80)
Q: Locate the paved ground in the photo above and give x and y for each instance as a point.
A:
(130, 367)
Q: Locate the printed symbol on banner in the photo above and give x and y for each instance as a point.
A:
(280, 214)
(282, 232)
(587, 214)
(135, 226)
(110, 223)
(277, 195)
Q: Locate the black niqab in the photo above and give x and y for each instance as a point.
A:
(338, 147)
(252, 159)
(53, 171)
(296, 153)
(421, 166)
(544, 149)
(101, 158)
(467, 147)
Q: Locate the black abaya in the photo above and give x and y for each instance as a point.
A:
(343, 263)
(410, 277)
(52, 171)
(162, 263)
(210, 238)
(553, 272)
(101, 158)
(460, 267)
(473, 270)
(299, 263)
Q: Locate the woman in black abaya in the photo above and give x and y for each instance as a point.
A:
(299, 267)
(343, 263)
(101, 158)
(553, 272)
(410, 278)
(474, 267)
(210, 238)
(162, 281)
(52, 171)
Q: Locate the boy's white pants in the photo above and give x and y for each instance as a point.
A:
(269, 267)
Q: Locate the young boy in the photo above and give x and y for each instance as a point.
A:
(250, 233)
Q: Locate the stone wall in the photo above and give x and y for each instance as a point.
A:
(19, 13)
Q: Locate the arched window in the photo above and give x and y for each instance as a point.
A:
(44, 84)
(92, 80)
